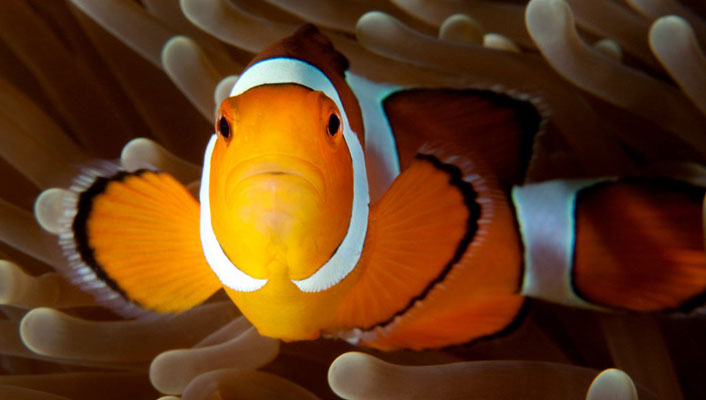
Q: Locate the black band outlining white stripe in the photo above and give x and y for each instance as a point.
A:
(545, 212)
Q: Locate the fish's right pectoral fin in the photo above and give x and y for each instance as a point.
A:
(132, 240)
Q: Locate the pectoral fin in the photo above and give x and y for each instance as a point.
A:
(441, 247)
(132, 240)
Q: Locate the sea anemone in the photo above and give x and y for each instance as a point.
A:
(140, 80)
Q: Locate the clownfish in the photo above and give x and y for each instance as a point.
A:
(388, 216)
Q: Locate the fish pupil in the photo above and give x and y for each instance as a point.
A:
(333, 124)
(223, 127)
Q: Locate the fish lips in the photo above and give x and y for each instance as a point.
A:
(276, 171)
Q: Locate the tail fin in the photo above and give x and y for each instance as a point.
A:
(132, 240)
(640, 246)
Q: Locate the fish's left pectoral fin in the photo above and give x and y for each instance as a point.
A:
(433, 253)
(132, 240)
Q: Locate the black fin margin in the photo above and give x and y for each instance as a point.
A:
(82, 269)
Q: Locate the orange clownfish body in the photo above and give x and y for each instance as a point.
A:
(324, 209)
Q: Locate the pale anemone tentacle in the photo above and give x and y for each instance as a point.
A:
(499, 42)
(145, 86)
(11, 344)
(637, 347)
(49, 209)
(21, 232)
(170, 13)
(19, 289)
(37, 124)
(265, 11)
(654, 9)
(119, 19)
(142, 152)
(233, 25)
(360, 376)
(143, 33)
(499, 17)
(462, 28)
(607, 18)
(192, 72)
(187, 362)
(340, 16)
(232, 329)
(171, 371)
(222, 90)
(597, 16)
(222, 22)
(85, 385)
(243, 30)
(387, 36)
(10, 341)
(550, 22)
(60, 73)
(674, 43)
(52, 333)
(238, 384)
(42, 165)
(609, 47)
(612, 384)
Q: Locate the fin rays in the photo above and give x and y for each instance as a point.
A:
(425, 236)
(138, 234)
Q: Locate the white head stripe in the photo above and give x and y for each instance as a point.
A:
(380, 145)
(545, 212)
(344, 260)
(228, 273)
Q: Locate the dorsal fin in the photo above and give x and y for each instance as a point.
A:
(480, 123)
(310, 45)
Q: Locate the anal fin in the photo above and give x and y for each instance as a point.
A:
(132, 240)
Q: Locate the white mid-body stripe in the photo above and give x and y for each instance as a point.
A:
(545, 212)
(344, 260)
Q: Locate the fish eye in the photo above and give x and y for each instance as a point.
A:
(334, 124)
(224, 127)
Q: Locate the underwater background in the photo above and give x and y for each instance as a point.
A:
(80, 79)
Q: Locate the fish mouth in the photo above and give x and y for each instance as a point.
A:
(275, 168)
